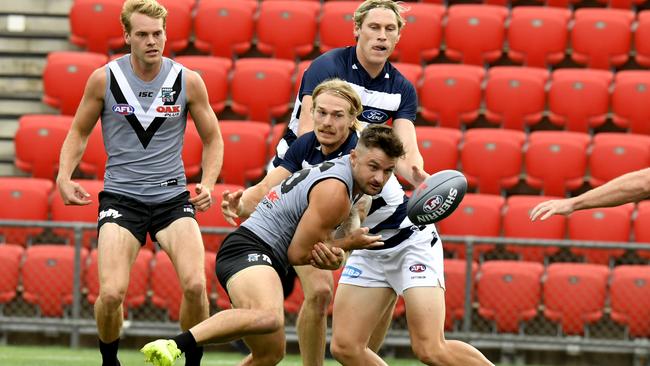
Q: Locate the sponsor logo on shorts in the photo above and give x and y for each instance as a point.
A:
(373, 115)
(188, 209)
(168, 110)
(109, 213)
(417, 268)
(351, 272)
(257, 257)
(123, 109)
(167, 95)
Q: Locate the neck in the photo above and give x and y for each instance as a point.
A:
(372, 69)
(144, 71)
(328, 149)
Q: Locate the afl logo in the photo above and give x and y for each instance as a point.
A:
(433, 203)
(417, 268)
(373, 115)
(123, 109)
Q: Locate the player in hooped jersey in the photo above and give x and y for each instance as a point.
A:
(293, 220)
(143, 100)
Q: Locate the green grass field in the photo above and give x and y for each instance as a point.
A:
(60, 356)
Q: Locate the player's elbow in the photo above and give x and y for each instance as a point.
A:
(298, 256)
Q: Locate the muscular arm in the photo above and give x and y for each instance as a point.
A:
(329, 205)
(305, 122)
(89, 111)
(208, 128)
(411, 167)
(630, 187)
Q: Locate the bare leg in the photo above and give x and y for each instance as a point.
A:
(357, 311)
(312, 320)
(425, 313)
(379, 334)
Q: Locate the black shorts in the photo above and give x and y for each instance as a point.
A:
(242, 249)
(139, 217)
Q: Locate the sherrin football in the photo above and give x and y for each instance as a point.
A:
(437, 197)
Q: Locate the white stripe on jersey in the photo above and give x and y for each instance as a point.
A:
(147, 117)
(378, 99)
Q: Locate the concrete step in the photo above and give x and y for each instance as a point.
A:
(10, 170)
(50, 7)
(20, 86)
(34, 25)
(7, 150)
(21, 66)
(10, 108)
(35, 46)
(8, 128)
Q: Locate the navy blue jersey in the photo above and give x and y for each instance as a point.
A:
(306, 152)
(387, 97)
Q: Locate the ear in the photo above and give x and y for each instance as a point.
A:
(127, 38)
(356, 32)
(353, 157)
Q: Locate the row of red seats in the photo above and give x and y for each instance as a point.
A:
(508, 292)
(450, 94)
(39, 138)
(572, 295)
(487, 215)
(475, 34)
(32, 199)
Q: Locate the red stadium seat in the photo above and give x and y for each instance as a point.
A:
(87, 213)
(451, 94)
(628, 298)
(93, 161)
(621, 4)
(516, 224)
(302, 67)
(233, 19)
(526, 85)
(579, 98)
(38, 143)
(178, 25)
(287, 29)
(455, 285)
(420, 38)
(509, 292)
(214, 72)
(614, 154)
(336, 28)
(474, 33)
(167, 292)
(192, 150)
(214, 218)
(136, 293)
(477, 215)
(642, 39)
(439, 147)
(556, 161)
(574, 295)
(642, 227)
(601, 224)
(502, 148)
(245, 144)
(261, 88)
(630, 100)
(601, 38)
(95, 25)
(537, 36)
(10, 257)
(412, 72)
(23, 199)
(48, 277)
(277, 132)
(65, 76)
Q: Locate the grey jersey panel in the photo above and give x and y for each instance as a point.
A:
(276, 217)
(143, 125)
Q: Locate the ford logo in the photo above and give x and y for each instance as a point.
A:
(123, 109)
(373, 115)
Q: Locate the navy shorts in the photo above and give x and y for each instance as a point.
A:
(139, 217)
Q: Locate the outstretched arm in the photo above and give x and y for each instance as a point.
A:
(630, 187)
(411, 167)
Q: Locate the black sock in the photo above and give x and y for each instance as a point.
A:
(109, 353)
(185, 341)
(193, 356)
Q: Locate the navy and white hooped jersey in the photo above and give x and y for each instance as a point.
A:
(387, 214)
(387, 97)
(143, 125)
(278, 214)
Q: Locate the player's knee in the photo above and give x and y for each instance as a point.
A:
(430, 354)
(194, 289)
(344, 350)
(111, 297)
(269, 321)
(319, 296)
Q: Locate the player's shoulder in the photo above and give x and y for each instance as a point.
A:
(332, 59)
(398, 81)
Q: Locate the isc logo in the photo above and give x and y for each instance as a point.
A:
(123, 109)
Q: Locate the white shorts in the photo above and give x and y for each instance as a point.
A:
(413, 263)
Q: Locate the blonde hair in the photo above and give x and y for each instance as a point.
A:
(150, 8)
(343, 90)
(395, 6)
